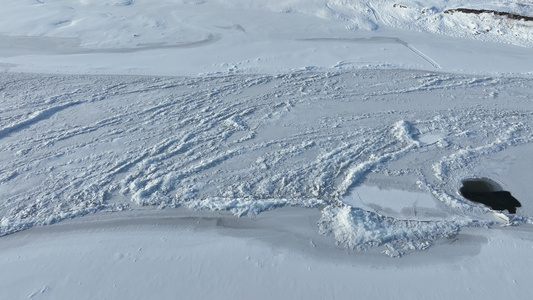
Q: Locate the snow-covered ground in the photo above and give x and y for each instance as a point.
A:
(210, 37)
(181, 254)
(131, 127)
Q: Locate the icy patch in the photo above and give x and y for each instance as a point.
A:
(395, 203)
(430, 138)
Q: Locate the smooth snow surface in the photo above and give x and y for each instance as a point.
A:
(254, 36)
(182, 254)
(140, 131)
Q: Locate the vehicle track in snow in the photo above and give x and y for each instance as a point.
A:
(73, 145)
(379, 40)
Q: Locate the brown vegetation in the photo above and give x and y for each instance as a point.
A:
(489, 11)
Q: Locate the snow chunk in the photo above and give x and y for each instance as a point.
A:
(359, 229)
(405, 131)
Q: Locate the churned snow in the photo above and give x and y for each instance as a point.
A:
(250, 143)
(338, 131)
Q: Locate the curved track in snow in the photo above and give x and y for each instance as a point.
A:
(379, 40)
(73, 145)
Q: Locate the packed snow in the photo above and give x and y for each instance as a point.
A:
(160, 117)
(250, 143)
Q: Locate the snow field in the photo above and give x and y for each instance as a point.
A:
(263, 149)
(179, 253)
(191, 38)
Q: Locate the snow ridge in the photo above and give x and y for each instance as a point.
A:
(249, 207)
(358, 229)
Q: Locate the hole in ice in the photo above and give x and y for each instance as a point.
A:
(489, 193)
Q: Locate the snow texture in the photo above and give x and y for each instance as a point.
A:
(281, 103)
(252, 143)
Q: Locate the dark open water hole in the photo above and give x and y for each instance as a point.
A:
(489, 193)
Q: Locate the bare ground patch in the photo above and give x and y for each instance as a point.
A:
(489, 11)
